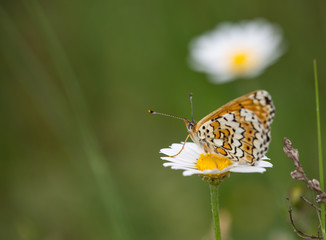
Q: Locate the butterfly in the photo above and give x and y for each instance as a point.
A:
(240, 130)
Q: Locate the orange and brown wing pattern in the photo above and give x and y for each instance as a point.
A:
(239, 130)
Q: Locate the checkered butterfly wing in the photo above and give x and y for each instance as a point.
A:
(239, 130)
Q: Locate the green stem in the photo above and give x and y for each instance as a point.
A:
(320, 155)
(215, 209)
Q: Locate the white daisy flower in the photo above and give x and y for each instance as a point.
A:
(193, 160)
(234, 50)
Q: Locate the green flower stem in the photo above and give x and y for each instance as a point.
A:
(215, 209)
(320, 155)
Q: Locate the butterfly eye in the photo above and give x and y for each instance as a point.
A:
(191, 125)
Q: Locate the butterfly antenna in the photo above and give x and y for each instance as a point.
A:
(192, 109)
(167, 115)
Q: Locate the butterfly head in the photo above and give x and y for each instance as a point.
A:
(190, 124)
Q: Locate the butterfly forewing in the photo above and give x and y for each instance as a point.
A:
(239, 130)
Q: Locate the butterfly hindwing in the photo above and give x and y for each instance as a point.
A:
(239, 130)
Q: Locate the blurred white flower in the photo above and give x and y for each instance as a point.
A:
(193, 160)
(236, 50)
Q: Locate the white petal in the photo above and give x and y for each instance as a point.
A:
(170, 151)
(191, 172)
(264, 164)
(247, 169)
(179, 160)
(265, 158)
(168, 164)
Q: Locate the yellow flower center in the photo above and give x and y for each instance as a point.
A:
(242, 62)
(240, 59)
(212, 161)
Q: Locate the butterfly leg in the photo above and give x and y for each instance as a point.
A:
(206, 148)
(182, 147)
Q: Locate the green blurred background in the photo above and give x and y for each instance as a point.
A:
(79, 156)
